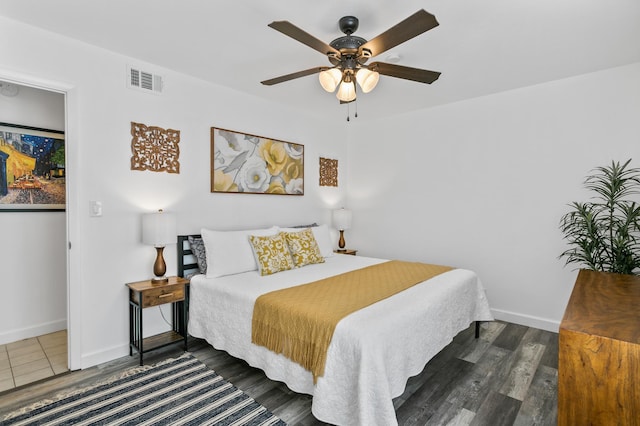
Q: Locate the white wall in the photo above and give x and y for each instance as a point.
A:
(33, 107)
(33, 248)
(482, 184)
(107, 252)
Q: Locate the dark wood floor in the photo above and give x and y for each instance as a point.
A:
(507, 377)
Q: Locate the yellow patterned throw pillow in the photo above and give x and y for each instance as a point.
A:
(272, 253)
(303, 247)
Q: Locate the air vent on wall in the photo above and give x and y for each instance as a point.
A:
(143, 80)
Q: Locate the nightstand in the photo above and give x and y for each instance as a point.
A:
(144, 294)
(346, 251)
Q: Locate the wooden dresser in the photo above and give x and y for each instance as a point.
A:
(599, 353)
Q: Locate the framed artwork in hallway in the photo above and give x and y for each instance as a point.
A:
(32, 169)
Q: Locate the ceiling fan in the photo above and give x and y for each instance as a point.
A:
(349, 54)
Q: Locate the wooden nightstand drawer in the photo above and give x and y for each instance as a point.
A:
(162, 295)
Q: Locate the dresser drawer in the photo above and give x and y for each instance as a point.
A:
(161, 295)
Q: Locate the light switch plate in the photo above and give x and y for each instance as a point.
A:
(95, 208)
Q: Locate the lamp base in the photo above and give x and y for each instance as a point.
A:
(159, 280)
(159, 268)
(341, 242)
(341, 250)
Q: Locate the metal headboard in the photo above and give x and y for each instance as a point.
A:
(186, 259)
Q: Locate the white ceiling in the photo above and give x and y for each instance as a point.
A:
(481, 47)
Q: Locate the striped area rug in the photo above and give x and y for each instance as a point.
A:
(181, 391)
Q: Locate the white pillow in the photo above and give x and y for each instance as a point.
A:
(323, 239)
(229, 252)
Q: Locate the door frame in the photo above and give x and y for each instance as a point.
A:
(74, 312)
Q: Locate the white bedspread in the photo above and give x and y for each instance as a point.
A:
(373, 351)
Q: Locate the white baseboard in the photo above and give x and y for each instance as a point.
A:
(105, 355)
(528, 320)
(32, 331)
(118, 351)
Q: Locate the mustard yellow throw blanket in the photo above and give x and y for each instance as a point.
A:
(299, 322)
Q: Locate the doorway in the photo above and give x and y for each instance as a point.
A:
(35, 328)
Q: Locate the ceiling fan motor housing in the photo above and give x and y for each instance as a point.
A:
(348, 45)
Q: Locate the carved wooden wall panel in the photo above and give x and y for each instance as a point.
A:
(328, 172)
(154, 148)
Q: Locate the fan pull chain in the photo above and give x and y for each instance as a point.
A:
(349, 110)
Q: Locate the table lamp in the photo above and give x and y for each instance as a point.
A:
(158, 230)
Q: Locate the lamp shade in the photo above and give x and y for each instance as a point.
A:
(347, 91)
(329, 79)
(367, 79)
(159, 229)
(342, 219)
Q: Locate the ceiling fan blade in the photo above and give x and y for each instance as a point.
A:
(291, 76)
(408, 73)
(287, 28)
(414, 25)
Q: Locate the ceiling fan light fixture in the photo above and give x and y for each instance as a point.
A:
(349, 54)
(347, 91)
(329, 79)
(367, 79)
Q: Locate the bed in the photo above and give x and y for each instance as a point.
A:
(373, 351)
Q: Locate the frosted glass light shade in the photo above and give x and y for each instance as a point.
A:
(367, 79)
(329, 79)
(159, 229)
(342, 219)
(347, 91)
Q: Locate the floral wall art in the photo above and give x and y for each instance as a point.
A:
(244, 163)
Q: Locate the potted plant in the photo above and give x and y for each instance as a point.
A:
(604, 235)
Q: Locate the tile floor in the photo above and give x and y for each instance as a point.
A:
(32, 359)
